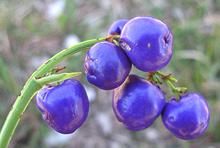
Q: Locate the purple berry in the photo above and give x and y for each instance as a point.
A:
(137, 103)
(147, 42)
(117, 26)
(106, 65)
(187, 118)
(64, 107)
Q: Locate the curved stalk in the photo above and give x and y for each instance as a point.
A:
(32, 86)
(54, 78)
(16, 112)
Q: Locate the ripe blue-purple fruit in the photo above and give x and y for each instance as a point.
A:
(187, 118)
(64, 107)
(106, 65)
(147, 42)
(137, 103)
(117, 26)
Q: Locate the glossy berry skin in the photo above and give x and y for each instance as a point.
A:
(137, 103)
(147, 42)
(106, 65)
(64, 107)
(187, 118)
(117, 26)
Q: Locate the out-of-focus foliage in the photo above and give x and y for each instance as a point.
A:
(32, 31)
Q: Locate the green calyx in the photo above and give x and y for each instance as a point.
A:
(160, 78)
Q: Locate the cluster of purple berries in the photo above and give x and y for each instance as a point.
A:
(146, 43)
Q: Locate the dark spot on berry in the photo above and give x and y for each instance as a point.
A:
(202, 125)
(166, 41)
(171, 118)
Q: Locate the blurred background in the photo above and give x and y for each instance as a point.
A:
(32, 31)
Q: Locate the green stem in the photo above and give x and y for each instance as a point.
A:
(169, 77)
(16, 112)
(32, 86)
(57, 78)
(158, 77)
(48, 65)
